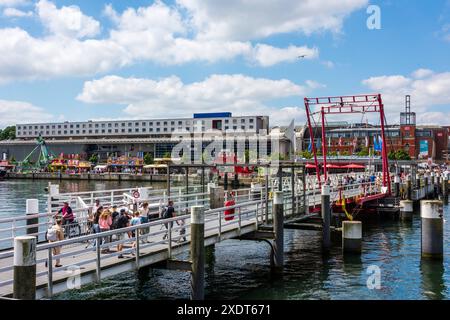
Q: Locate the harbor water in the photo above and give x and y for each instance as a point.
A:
(240, 269)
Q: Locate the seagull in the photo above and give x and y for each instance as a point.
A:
(302, 56)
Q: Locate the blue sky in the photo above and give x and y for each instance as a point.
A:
(80, 60)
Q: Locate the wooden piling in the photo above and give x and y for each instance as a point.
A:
(32, 209)
(197, 253)
(24, 285)
(432, 231)
(278, 243)
(326, 216)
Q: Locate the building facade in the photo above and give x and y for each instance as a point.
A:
(201, 122)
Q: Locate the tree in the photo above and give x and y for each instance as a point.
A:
(398, 155)
(94, 159)
(148, 159)
(364, 152)
(306, 154)
(167, 155)
(9, 133)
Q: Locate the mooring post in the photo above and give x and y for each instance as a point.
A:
(216, 197)
(280, 178)
(294, 211)
(417, 181)
(32, 209)
(351, 236)
(278, 229)
(225, 181)
(197, 253)
(431, 212)
(24, 283)
(397, 186)
(427, 185)
(326, 216)
(445, 186)
(266, 199)
(409, 188)
(406, 210)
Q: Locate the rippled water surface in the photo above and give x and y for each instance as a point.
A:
(240, 269)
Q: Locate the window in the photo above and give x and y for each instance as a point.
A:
(251, 127)
(143, 124)
(78, 131)
(165, 123)
(226, 127)
(137, 124)
(71, 126)
(157, 129)
(59, 132)
(180, 123)
(123, 124)
(123, 130)
(251, 120)
(165, 129)
(243, 127)
(47, 127)
(84, 131)
(65, 131)
(242, 120)
(90, 131)
(144, 129)
(96, 125)
(90, 125)
(158, 123)
(151, 123)
(130, 124)
(116, 130)
(129, 130)
(109, 125)
(103, 130)
(172, 122)
(172, 129)
(96, 130)
(109, 130)
(151, 130)
(103, 125)
(234, 120)
(116, 124)
(77, 126)
(136, 130)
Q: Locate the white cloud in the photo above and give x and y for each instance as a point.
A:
(24, 57)
(255, 19)
(13, 3)
(267, 55)
(164, 34)
(171, 97)
(427, 89)
(16, 13)
(12, 112)
(67, 21)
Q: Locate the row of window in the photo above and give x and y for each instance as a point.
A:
(361, 134)
(136, 130)
(123, 124)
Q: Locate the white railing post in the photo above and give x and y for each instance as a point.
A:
(170, 240)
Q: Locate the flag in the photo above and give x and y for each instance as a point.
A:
(340, 142)
(310, 146)
(367, 141)
(319, 143)
(290, 135)
(329, 141)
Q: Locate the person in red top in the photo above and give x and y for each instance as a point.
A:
(67, 214)
(229, 214)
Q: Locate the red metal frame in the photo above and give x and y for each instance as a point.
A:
(371, 103)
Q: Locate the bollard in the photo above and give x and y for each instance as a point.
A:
(278, 229)
(431, 212)
(326, 216)
(24, 283)
(406, 210)
(216, 197)
(351, 236)
(197, 253)
(32, 209)
(396, 186)
(445, 186)
(409, 188)
(417, 181)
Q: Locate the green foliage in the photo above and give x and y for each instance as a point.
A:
(345, 153)
(364, 152)
(333, 154)
(167, 155)
(94, 159)
(399, 155)
(306, 154)
(148, 159)
(9, 133)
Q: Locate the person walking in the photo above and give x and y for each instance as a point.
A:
(122, 222)
(144, 214)
(54, 234)
(136, 220)
(169, 212)
(105, 222)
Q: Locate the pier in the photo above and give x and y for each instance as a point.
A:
(288, 200)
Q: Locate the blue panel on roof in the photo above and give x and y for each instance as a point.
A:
(212, 115)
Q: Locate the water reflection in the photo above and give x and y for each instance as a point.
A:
(433, 285)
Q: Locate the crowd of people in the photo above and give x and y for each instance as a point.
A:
(103, 219)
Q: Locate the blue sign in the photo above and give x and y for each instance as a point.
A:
(423, 148)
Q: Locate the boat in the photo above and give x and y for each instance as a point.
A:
(5, 167)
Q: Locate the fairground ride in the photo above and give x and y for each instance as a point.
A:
(45, 156)
(362, 104)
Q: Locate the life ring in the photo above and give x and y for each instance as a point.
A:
(229, 213)
(136, 194)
